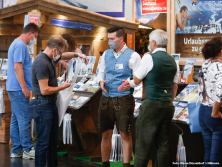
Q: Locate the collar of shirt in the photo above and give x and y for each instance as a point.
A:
(120, 52)
(159, 49)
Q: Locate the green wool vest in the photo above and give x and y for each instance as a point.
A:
(159, 81)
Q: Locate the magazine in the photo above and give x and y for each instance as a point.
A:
(79, 102)
(182, 104)
(186, 91)
(183, 115)
(178, 110)
(93, 88)
(87, 69)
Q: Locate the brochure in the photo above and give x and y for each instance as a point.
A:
(4, 68)
(176, 57)
(186, 91)
(78, 86)
(188, 67)
(93, 88)
(79, 102)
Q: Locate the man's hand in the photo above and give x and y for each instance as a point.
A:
(26, 92)
(83, 57)
(65, 64)
(126, 87)
(66, 84)
(188, 17)
(101, 83)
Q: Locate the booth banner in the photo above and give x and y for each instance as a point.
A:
(145, 14)
(71, 24)
(196, 22)
(113, 8)
(153, 6)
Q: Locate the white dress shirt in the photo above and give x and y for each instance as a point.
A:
(146, 65)
(134, 62)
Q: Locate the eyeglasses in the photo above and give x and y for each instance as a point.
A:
(34, 35)
(60, 53)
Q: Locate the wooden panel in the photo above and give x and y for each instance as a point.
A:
(6, 41)
(19, 19)
(98, 48)
(44, 44)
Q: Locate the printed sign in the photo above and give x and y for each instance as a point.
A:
(153, 6)
(71, 24)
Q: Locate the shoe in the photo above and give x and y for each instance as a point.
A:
(30, 154)
(17, 155)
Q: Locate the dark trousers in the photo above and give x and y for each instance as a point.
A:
(212, 135)
(46, 117)
(153, 127)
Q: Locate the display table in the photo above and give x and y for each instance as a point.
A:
(86, 136)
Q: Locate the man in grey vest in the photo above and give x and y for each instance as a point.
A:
(118, 63)
(160, 72)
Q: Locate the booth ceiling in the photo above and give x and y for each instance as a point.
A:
(55, 7)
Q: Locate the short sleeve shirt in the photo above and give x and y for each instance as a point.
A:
(18, 53)
(43, 68)
(210, 80)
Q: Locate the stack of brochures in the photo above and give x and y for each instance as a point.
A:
(79, 102)
(188, 94)
(87, 85)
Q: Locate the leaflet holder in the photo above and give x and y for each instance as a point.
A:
(189, 78)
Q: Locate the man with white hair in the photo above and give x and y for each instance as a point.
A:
(160, 72)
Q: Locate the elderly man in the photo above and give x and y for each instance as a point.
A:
(43, 105)
(160, 72)
(117, 64)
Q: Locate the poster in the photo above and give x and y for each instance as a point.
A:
(146, 14)
(154, 19)
(196, 22)
(114, 8)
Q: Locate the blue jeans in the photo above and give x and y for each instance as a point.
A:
(46, 118)
(212, 135)
(20, 122)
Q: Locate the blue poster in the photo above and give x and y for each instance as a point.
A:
(71, 24)
(198, 16)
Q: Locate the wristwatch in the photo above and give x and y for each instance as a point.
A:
(75, 55)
